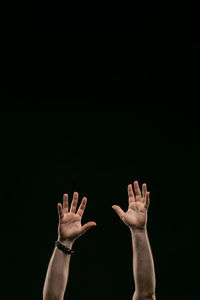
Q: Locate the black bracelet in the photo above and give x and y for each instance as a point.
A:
(64, 248)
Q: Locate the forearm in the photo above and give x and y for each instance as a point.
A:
(143, 265)
(57, 274)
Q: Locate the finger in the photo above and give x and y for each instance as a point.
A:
(74, 203)
(131, 197)
(82, 207)
(137, 191)
(65, 203)
(144, 190)
(147, 200)
(119, 211)
(60, 211)
(87, 226)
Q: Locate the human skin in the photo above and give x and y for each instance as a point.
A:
(136, 220)
(69, 229)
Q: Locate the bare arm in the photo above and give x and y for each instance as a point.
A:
(143, 266)
(136, 219)
(57, 274)
(69, 229)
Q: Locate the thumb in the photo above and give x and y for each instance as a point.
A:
(119, 211)
(87, 226)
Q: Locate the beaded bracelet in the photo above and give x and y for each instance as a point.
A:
(64, 248)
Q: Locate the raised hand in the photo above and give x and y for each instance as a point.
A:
(69, 227)
(136, 215)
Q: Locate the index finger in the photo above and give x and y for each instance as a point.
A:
(65, 203)
(131, 197)
(82, 207)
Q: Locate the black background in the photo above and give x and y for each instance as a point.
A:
(92, 106)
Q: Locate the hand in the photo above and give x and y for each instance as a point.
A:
(136, 215)
(70, 228)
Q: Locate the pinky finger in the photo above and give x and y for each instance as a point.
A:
(60, 211)
(147, 200)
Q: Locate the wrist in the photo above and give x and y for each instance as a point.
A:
(138, 230)
(67, 243)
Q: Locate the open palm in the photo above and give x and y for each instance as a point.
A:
(69, 227)
(136, 215)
